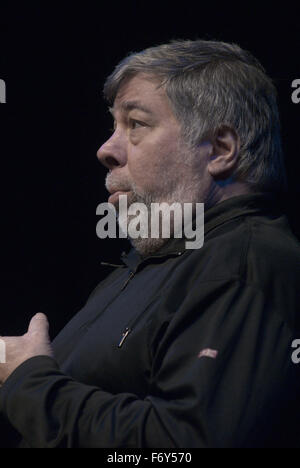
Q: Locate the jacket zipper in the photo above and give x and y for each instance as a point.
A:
(127, 280)
(89, 323)
(132, 323)
(129, 328)
(124, 336)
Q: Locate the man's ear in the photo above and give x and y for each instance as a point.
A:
(225, 151)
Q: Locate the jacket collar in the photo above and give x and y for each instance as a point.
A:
(227, 210)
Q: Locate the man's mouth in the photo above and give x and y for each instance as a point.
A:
(113, 198)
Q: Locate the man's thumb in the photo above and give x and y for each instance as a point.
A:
(38, 323)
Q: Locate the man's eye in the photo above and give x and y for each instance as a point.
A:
(134, 124)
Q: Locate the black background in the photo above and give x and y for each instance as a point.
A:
(54, 60)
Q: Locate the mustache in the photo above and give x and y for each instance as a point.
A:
(114, 182)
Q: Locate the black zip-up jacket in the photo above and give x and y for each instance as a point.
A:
(186, 348)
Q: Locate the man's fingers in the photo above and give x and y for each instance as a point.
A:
(38, 323)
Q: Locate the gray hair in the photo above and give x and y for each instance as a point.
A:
(211, 84)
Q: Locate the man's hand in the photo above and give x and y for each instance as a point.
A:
(35, 342)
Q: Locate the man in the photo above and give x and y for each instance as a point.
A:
(179, 347)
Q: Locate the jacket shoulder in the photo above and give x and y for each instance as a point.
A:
(273, 254)
(257, 250)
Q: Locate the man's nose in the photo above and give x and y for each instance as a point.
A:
(112, 153)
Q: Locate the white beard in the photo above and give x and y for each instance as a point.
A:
(170, 192)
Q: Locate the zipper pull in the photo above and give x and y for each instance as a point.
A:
(128, 279)
(124, 336)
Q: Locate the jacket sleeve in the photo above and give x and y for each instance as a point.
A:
(222, 376)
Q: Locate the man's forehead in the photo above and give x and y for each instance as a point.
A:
(138, 92)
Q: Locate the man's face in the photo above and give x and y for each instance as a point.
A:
(146, 155)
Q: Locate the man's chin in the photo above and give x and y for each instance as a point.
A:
(148, 246)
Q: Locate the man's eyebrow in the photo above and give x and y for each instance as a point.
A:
(130, 105)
